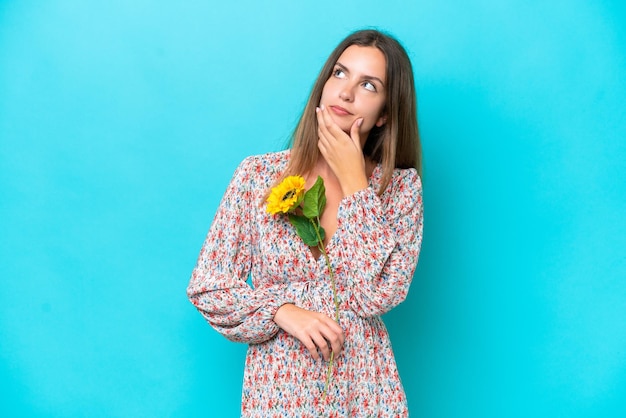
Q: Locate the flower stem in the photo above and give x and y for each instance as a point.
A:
(320, 245)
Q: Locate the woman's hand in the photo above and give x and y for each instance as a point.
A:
(315, 330)
(342, 152)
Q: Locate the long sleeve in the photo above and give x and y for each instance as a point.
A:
(380, 244)
(218, 286)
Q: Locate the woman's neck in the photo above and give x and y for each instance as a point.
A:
(322, 168)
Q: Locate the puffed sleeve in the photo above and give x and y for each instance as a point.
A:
(218, 286)
(380, 243)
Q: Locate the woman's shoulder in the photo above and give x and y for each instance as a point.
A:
(407, 176)
(270, 160)
(263, 169)
(405, 185)
(400, 177)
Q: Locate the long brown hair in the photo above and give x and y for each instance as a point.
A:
(395, 144)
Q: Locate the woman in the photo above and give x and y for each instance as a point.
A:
(359, 133)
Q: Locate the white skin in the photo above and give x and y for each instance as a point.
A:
(352, 103)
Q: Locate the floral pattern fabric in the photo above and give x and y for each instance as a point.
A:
(373, 252)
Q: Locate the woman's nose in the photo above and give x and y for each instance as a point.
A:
(346, 94)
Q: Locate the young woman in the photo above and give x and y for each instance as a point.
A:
(359, 133)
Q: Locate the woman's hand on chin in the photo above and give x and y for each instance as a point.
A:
(342, 152)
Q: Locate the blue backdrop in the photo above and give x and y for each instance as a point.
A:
(121, 124)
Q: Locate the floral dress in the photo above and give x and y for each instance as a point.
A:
(373, 253)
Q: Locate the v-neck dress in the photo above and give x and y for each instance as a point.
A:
(373, 253)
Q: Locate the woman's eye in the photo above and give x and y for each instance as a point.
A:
(369, 86)
(338, 73)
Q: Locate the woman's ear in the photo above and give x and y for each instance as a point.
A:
(381, 121)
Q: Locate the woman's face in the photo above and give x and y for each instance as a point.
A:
(356, 89)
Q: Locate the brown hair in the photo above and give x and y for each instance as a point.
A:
(396, 144)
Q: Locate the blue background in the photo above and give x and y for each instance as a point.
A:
(121, 124)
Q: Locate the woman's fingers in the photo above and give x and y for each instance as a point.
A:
(311, 346)
(327, 126)
(334, 341)
(323, 131)
(322, 345)
(334, 143)
(337, 133)
(355, 134)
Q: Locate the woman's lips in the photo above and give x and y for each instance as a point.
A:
(339, 110)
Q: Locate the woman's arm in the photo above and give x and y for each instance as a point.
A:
(218, 286)
(379, 244)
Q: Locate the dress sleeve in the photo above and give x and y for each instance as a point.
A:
(218, 286)
(380, 244)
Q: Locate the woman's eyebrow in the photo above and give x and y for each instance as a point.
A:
(370, 77)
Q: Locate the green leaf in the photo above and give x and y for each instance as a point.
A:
(322, 202)
(304, 229)
(314, 199)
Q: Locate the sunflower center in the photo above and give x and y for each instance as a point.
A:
(289, 195)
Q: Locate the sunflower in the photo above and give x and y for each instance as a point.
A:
(286, 196)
